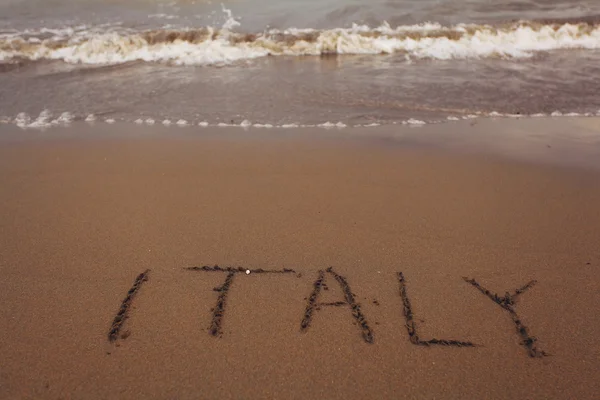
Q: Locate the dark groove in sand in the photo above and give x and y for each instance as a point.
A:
(216, 268)
(219, 310)
(367, 332)
(317, 285)
(411, 326)
(507, 303)
(215, 328)
(119, 320)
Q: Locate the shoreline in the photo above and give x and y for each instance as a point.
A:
(345, 236)
(560, 141)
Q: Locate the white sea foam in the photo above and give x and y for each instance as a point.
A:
(22, 120)
(231, 22)
(332, 125)
(64, 119)
(45, 120)
(163, 16)
(207, 46)
(413, 121)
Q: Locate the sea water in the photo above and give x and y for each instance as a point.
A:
(330, 63)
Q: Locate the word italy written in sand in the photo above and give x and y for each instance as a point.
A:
(506, 303)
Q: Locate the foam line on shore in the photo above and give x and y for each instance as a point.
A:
(47, 119)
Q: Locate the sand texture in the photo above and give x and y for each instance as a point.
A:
(377, 270)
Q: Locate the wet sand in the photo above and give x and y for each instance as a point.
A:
(369, 259)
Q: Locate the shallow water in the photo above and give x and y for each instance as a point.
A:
(309, 62)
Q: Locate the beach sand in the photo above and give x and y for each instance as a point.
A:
(85, 210)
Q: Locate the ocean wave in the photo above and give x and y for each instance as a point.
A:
(210, 46)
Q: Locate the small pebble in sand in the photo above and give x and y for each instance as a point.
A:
(247, 272)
